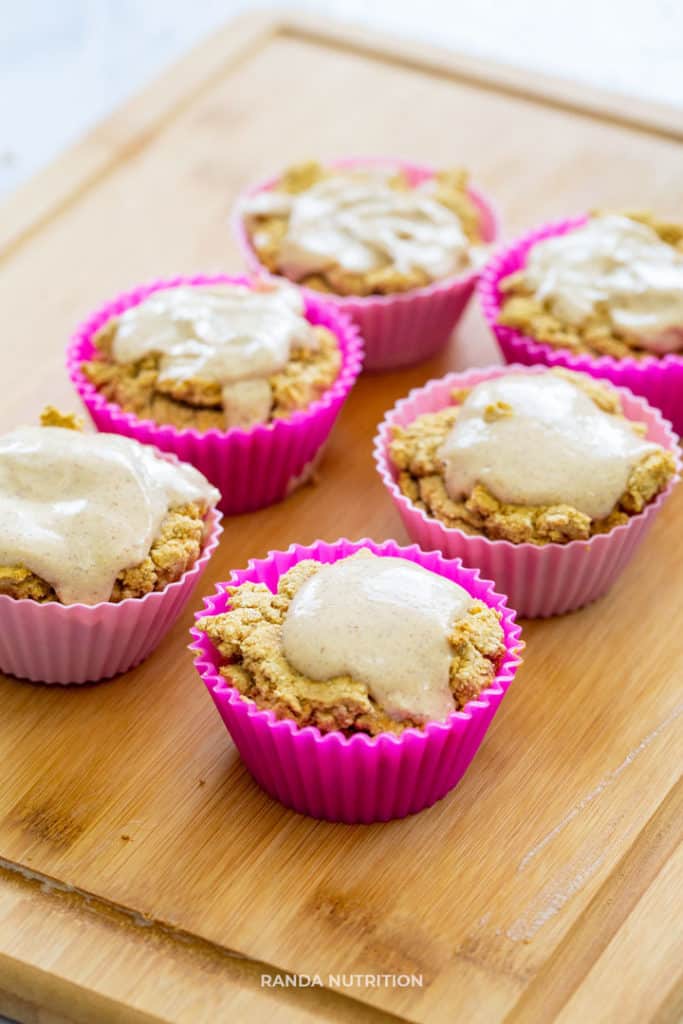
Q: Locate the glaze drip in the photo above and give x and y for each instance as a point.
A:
(384, 622)
(617, 266)
(537, 439)
(77, 509)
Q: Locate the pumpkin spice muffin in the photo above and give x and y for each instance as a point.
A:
(214, 356)
(530, 458)
(364, 230)
(324, 650)
(610, 286)
(86, 518)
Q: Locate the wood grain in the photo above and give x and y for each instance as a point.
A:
(157, 974)
(546, 885)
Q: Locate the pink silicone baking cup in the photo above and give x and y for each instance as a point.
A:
(407, 327)
(79, 643)
(659, 380)
(251, 468)
(539, 580)
(357, 778)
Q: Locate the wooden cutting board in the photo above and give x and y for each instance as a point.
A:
(143, 875)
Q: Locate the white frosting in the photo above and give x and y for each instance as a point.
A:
(77, 509)
(554, 446)
(621, 265)
(384, 622)
(359, 222)
(224, 332)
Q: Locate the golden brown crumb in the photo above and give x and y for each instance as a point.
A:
(249, 636)
(414, 448)
(596, 335)
(52, 417)
(267, 232)
(197, 403)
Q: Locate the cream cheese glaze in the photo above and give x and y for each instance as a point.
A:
(359, 222)
(384, 622)
(77, 509)
(537, 439)
(620, 265)
(227, 333)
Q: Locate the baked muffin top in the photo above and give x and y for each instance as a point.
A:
(214, 356)
(613, 286)
(542, 457)
(94, 517)
(363, 231)
(364, 644)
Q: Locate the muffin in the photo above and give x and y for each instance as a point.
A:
(336, 712)
(612, 286)
(242, 378)
(324, 649)
(364, 230)
(93, 525)
(531, 458)
(214, 356)
(600, 294)
(530, 474)
(395, 245)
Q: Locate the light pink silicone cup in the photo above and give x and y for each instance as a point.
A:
(658, 379)
(251, 468)
(358, 778)
(407, 327)
(540, 580)
(79, 643)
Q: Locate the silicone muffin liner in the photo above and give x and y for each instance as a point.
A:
(358, 778)
(540, 580)
(78, 643)
(253, 467)
(406, 327)
(657, 379)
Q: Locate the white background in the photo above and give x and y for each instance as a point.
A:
(66, 63)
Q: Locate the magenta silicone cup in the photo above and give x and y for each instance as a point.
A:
(251, 468)
(357, 778)
(79, 643)
(657, 379)
(540, 580)
(407, 327)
